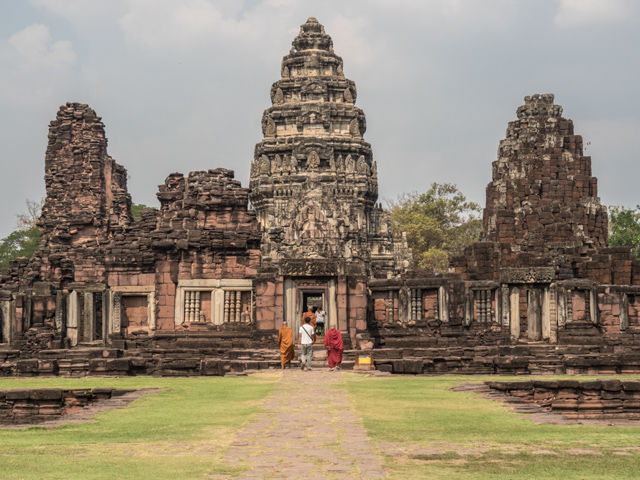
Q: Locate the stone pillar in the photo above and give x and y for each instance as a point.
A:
(515, 314)
(6, 323)
(60, 310)
(73, 314)
(553, 314)
(546, 315)
(534, 330)
(151, 310)
(404, 305)
(443, 304)
(333, 304)
(116, 313)
(562, 307)
(593, 304)
(217, 309)
(88, 319)
(468, 306)
(624, 311)
(504, 306)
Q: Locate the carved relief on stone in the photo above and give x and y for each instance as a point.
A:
(339, 70)
(117, 315)
(528, 275)
(270, 129)
(374, 170)
(313, 161)
(350, 164)
(340, 164)
(254, 168)
(278, 98)
(332, 164)
(294, 164)
(264, 165)
(347, 96)
(276, 165)
(362, 166)
(354, 128)
(285, 71)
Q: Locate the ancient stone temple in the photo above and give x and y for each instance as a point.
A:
(314, 187)
(201, 285)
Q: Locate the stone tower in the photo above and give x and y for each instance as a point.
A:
(314, 183)
(543, 195)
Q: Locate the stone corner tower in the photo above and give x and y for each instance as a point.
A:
(543, 196)
(314, 183)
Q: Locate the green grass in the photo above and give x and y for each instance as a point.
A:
(424, 413)
(189, 416)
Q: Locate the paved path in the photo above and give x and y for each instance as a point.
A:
(291, 440)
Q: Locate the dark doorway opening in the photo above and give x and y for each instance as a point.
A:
(312, 299)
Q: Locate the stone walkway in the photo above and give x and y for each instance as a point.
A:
(309, 430)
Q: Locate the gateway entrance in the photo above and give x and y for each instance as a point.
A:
(301, 293)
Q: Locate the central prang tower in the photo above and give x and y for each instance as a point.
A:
(314, 183)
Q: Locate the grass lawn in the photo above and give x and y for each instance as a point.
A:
(423, 413)
(193, 416)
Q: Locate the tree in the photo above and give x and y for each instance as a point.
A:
(23, 241)
(439, 224)
(624, 228)
(136, 210)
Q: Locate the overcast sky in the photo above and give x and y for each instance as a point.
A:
(181, 85)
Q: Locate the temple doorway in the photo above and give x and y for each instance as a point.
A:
(301, 293)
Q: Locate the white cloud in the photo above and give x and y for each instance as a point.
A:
(179, 26)
(80, 12)
(578, 13)
(32, 64)
(35, 45)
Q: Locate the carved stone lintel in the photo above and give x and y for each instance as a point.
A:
(310, 267)
(528, 275)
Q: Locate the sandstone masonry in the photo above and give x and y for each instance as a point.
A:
(201, 285)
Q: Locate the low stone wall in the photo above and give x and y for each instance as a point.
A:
(35, 406)
(159, 362)
(602, 399)
(532, 359)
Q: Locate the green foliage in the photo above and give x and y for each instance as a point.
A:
(439, 224)
(19, 243)
(624, 228)
(136, 210)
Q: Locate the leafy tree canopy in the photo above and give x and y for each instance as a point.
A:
(624, 228)
(23, 241)
(439, 224)
(136, 210)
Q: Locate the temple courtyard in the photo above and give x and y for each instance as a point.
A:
(317, 424)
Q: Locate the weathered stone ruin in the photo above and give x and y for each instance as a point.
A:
(201, 285)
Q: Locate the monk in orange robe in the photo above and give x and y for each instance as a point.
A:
(285, 342)
(312, 317)
(335, 346)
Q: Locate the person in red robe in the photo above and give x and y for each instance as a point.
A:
(334, 345)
